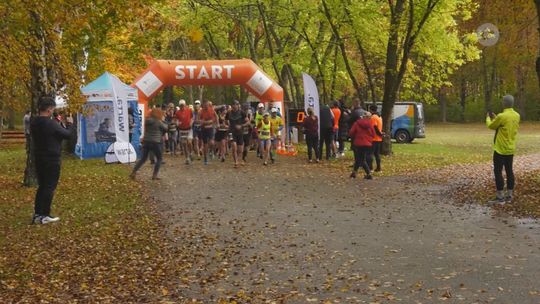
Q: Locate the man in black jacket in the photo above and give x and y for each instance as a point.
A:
(326, 119)
(47, 136)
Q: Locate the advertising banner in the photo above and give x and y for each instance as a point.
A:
(99, 118)
(120, 109)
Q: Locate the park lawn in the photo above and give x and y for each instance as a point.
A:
(106, 248)
(448, 144)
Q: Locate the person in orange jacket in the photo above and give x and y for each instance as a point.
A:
(361, 135)
(376, 123)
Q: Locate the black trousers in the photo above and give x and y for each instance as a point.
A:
(327, 135)
(312, 142)
(375, 153)
(155, 149)
(48, 173)
(153, 156)
(360, 157)
(506, 161)
(341, 142)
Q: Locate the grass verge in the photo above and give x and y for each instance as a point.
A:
(106, 248)
(445, 145)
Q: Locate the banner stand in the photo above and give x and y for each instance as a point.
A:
(120, 152)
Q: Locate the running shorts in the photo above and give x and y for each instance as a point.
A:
(221, 135)
(197, 132)
(207, 134)
(238, 138)
(184, 134)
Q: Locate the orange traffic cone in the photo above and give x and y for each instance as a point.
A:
(281, 149)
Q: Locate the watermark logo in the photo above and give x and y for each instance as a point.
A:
(488, 34)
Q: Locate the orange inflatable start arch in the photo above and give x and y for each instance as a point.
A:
(243, 72)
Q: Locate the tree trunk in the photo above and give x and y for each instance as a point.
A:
(315, 58)
(334, 76)
(341, 44)
(520, 94)
(296, 82)
(285, 85)
(201, 92)
(390, 75)
(168, 95)
(442, 105)
(393, 75)
(361, 50)
(40, 85)
(488, 80)
(537, 2)
(11, 119)
(271, 47)
(463, 97)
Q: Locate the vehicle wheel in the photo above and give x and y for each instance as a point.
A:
(402, 136)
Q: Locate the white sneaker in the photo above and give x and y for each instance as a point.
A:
(49, 219)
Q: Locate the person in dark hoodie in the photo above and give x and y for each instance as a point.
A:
(343, 129)
(362, 134)
(327, 130)
(154, 129)
(311, 129)
(47, 135)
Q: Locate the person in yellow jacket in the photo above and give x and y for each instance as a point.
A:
(506, 125)
(265, 137)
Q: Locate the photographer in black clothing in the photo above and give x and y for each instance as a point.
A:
(326, 120)
(47, 136)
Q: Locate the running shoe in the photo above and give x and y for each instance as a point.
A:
(498, 201)
(48, 219)
(353, 175)
(36, 219)
(369, 176)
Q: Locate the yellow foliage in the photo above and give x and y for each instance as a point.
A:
(196, 35)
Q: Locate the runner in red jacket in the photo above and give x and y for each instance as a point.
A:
(362, 135)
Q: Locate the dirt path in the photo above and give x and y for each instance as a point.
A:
(302, 233)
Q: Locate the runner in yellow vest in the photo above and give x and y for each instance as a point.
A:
(258, 118)
(265, 137)
(277, 125)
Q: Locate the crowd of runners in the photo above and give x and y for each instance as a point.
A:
(205, 132)
(202, 131)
